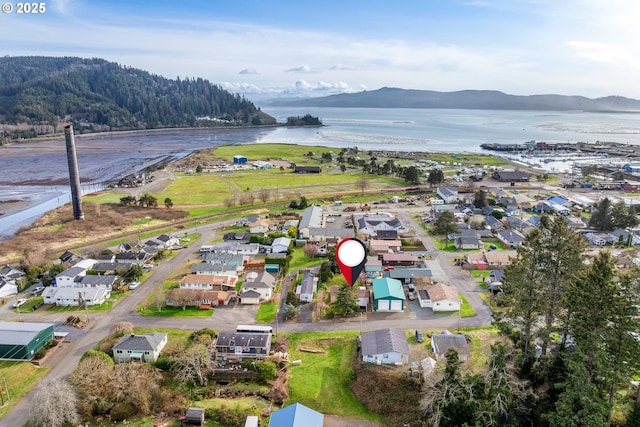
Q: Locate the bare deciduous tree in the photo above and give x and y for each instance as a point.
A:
(264, 194)
(54, 404)
(193, 365)
(310, 250)
(182, 297)
(228, 203)
(122, 328)
(362, 183)
(158, 298)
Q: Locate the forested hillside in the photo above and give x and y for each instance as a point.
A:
(39, 94)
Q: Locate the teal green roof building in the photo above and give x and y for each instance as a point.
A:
(388, 295)
(22, 340)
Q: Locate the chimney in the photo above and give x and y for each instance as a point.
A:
(74, 176)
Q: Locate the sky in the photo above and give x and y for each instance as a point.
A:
(281, 48)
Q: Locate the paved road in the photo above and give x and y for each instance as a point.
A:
(226, 318)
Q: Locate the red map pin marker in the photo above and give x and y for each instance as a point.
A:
(351, 256)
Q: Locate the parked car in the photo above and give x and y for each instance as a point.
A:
(37, 290)
(147, 266)
(133, 285)
(20, 303)
(419, 337)
(411, 296)
(493, 247)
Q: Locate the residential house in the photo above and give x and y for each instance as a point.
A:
(517, 223)
(599, 239)
(385, 346)
(388, 295)
(238, 346)
(468, 239)
(139, 348)
(331, 235)
(208, 282)
(68, 258)
(280, 245)
(405, 259)
(442, 342)
(370, 224)
(223, 258)
(94, 281)
(496, 259)
(626, 238)
(262, 276)
(448, 194)
(439, 297)
(263, 290)
(384, 246)
(407, 274)
(221, 269)
(386, 235)
(74, 297)
(373, 268)
(201, 298)
(311, 218)
(307, 287)
(261, 226)
(236, 248)
(72, 275)
(237, 237)
(511, 238)
(130, 258)
(296, 415)
(510, 212)
(110, 267)
(169, 241)
(493, 223)
(7, 288)
(494, 276)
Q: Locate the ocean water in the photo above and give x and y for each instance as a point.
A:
(42, 165)
(451, 130)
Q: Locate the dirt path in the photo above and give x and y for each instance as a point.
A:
(336, 421)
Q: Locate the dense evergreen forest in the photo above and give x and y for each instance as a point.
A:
(40, 94)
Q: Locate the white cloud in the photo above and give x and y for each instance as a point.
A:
(602, 52)
(248, 71)
(300, 69)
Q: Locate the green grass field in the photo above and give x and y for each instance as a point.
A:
(20, 378)
(321, 381)
(267, 312)
(290, 152)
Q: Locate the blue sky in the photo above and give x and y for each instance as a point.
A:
(290, 48)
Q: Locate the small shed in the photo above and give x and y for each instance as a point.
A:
(195, 416)
(239, 160)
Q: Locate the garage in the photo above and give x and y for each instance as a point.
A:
(396, 306)
(388, 295)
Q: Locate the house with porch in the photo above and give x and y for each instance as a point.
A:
(208, 282)
(440, 297)
(75, 297)
(238, 346)
(249, 289)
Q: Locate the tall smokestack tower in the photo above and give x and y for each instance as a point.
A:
(74, 176)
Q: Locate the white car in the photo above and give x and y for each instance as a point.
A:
(134, 285)
(20, 303)
(37, 290)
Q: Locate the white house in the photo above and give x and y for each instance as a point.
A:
(448, 194)
(311, 218)
(70, 276)
(263, 289)
(139, 348)
(439, 297)
(385, 346)
(261, 226)
(7, 288)
(250, 297)
(280, 245)
(70, 296)
(209, 282)
(307, 287)
(370, 224)
(236, 248)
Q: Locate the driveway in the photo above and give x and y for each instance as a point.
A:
(237, 314)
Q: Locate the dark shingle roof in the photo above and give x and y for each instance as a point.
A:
(384, 341)
(140, 342)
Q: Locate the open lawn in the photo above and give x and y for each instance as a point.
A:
(20, 378)
(300, 260)
(321, 381)
(151, 310)
(294, 153)
(267, 312)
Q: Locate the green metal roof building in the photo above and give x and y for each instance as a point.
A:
(388, 295)
(22, 340)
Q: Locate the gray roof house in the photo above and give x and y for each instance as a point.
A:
(511, 238)
(385, 346)
(95, 281)
(139, 348)
(442, 342)
(448, 194)
(307, 287)
(242, 345)
(311, 218)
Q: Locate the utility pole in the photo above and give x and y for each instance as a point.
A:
(83, 301)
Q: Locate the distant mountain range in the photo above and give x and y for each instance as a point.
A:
(465, 99)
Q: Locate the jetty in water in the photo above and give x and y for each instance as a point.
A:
(613, 149)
